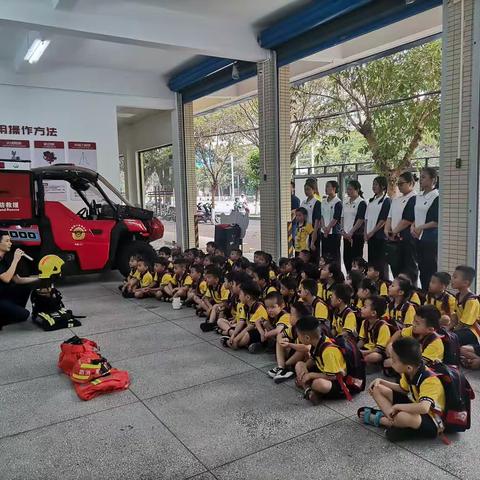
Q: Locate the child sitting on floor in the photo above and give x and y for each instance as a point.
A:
(261, 276)
(288, 289)
(288, 350)
(425, 329)
(438, 296)
(344, 320)
(318, 375)
(132, 274)
(413, 408)
(199, 285)
(375, 273)
(307, 294)
(465, 320)
(401, 312)
(214, 298)
(374, 332)
(180, 282)
(367, 288)
(231, 327)
(144, 282)
(330, 275)
(255, 314)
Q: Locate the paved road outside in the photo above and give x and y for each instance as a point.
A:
(251, 242)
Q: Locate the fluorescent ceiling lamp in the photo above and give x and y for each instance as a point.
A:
(36, 50)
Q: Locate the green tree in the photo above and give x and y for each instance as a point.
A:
(253, 172)
(368, 95)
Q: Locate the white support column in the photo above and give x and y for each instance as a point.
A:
(459, 162)
(184, 172)
(275, 175)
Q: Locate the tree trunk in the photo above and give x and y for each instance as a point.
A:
(213, 191)
(392, 178)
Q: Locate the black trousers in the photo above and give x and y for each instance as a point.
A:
(427, 261)
(376, 254)
(13, 299)
(352, 250)
(331, 247)
(402, 258)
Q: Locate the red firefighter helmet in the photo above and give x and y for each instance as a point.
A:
(89, 367)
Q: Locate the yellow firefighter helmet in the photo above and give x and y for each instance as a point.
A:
(50, 265)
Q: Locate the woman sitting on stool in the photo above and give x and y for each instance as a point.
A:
(14, 289)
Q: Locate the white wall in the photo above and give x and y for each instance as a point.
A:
(152, 131)
(78, 116)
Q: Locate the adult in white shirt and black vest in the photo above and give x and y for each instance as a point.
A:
(331, 223)
(314, 211)
(425, 227)
(375, 218)
(401, 248)
(353, 223)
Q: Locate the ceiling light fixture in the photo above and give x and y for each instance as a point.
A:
(36, 50)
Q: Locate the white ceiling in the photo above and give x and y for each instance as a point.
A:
(131, 47)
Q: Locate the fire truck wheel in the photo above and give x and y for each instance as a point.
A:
(137, 247)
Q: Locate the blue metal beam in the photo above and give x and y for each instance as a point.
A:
(318, 13)
(198, 72)
(373, 16)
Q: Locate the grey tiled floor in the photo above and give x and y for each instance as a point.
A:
(194, 410)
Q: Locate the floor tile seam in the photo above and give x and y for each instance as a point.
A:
(193, 386)
(171, 432)
(28, 379)
(295, 437)
(71, 329)
(12, 435)
(378, 431)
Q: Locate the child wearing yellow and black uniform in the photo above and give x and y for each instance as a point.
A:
(307, 294)
(161, 277)
(231, 327)
(414, 407)
(344, 321)
(132, 274)
(214, 298)
(375, 273)
(425, 329)
(318, 376)
(145, 280)
(438, 296)
(233, 258)
(401, 312)
(367, 288)
(465, 320)
(303, 230)
(278, 321)
(261, 275)
(199, 285)
(288, 350)
(180, 282)
(255, 314)
(375, 332)
(330, 275)
(414, 296)
(288, 289)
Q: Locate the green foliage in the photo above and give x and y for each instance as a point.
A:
(253, 171)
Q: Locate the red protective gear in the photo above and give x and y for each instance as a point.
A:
(89, 367)
(114, 380)
(72, 350)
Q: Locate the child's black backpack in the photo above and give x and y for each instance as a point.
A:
(458, 396)
(451, 345)
(355, 380)
(49, 312)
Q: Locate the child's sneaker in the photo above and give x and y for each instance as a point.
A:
(272, 373)
(283, 375)
(256, 347)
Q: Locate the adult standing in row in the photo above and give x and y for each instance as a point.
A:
(353, 224)
(401, 252)
(425, 228)
(314, 212)
(331, 222)
(376, 216)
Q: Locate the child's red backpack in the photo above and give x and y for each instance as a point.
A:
(458, 397)
(355, 379)
(72, 349)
